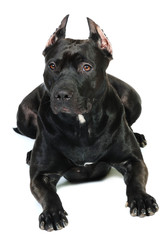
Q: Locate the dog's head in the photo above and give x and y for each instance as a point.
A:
(74, 74)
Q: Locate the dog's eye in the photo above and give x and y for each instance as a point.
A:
(52, 66)
(87, 68)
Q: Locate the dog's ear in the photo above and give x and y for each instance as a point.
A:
(97, 34)
(58, 34)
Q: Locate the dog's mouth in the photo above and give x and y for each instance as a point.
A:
(71, 108)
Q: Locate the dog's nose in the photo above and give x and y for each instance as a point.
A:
(63, 95)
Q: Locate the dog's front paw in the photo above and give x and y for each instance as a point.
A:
(52, 220)
(143, 205)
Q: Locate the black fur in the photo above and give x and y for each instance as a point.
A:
(81, 120)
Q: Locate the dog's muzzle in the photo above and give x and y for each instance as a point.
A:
(68, 101)
(63, 101)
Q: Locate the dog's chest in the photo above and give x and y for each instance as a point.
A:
(84, 141)
(85, 149)
(81, 156)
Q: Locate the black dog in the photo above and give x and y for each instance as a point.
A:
(81, 118)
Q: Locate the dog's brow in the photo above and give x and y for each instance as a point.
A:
(70, 57)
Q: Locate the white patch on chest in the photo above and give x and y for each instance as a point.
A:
(81, 118)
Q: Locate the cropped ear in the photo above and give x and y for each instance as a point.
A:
(97, 35)
(58, 34)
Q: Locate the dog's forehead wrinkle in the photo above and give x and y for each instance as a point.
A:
(75, 46)
(71, 58)
(71, 48)
(74, 57)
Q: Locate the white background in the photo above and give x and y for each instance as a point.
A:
(96, 210)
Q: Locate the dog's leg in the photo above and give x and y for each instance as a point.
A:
(132, 104)
(53, 216)
(27, 113)
(135, 176)
(141, 139)
(46, 168)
